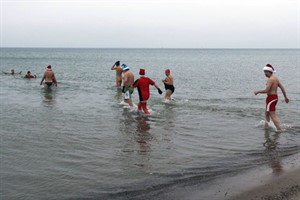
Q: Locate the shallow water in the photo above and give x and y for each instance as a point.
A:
(77, 140)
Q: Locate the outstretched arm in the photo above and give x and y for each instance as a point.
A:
(158, 89)
(266, 90)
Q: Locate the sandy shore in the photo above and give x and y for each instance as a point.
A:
(278, 180)
(282, 187)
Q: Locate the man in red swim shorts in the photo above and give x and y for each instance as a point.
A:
(142, 84)
(271, 89)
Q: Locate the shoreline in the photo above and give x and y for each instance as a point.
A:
(282, 187)
(260, 183)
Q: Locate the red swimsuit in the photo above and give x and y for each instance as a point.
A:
(271, 102)
(142, 85)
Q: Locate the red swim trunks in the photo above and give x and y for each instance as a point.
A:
(271, 102)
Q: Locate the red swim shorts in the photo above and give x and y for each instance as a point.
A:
(271, 102)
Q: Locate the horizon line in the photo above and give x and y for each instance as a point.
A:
(152, 48)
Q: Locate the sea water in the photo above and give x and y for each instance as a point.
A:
(77, 140)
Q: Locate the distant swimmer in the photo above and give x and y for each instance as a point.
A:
(127, 84)
(168, 82)
(119, 71)
(29, 75)
(12, 72)
(49, 77)
(271, 90)
(142, 84)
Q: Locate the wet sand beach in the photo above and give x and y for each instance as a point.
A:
(267, 182)
(282, 187)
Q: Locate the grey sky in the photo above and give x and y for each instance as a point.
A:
(151, 23)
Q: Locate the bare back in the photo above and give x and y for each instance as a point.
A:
(128, 78)
(49, 76)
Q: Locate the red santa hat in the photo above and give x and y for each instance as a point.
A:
(269, 68)
(142, 71)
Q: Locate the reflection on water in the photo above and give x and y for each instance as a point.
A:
(118, 94)
(49, 96)
(143, 125)
(143, 137)
(136, 142)
(271, 144)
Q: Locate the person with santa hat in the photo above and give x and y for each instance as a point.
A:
(271, 90)
(142, 85)
(49, 77)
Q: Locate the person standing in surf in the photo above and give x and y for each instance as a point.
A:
(119, 71)
(49, 77)
(127, 84)
(142, 84)
(168, 82)
(271, 90)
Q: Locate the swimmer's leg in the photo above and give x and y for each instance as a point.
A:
(275, 121)
(144, 106)
(168, 94)
(267, 119)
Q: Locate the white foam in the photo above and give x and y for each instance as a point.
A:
(151, 112)
(271, 125)
(166, 100)
(287, 126)
(169, 101)
(123, 103)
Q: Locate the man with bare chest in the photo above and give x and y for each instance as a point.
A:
(271, 90)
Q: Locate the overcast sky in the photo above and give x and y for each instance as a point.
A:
(150, 23)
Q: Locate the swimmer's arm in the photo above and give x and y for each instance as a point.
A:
(135, 84)
(158, 89)
(166, 81)
(267, 89)
(54, 80)
(42, 79)
(283, 92)
(114, 67)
